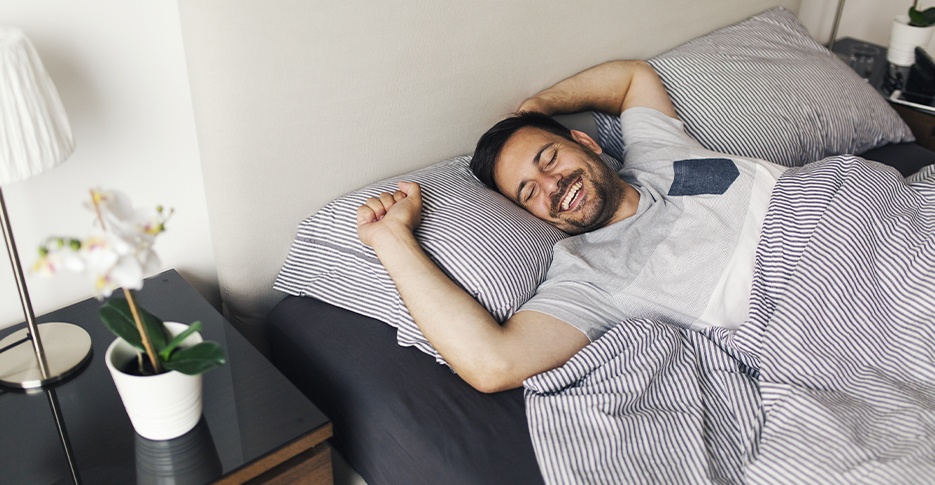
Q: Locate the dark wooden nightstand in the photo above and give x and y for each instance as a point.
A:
(922, 124)
(256, 426)
(920, 121)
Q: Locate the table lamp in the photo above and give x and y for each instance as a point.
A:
(34, 137)
(834, 26)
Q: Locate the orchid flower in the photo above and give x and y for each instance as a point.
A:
(118, 253)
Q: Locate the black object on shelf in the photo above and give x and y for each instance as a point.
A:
(920, 83)
(878, 74)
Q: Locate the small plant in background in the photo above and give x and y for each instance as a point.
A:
(118, 253)
(923, 18)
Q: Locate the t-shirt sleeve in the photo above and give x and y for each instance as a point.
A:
(580, 304)
(646, 125)
(650, 135)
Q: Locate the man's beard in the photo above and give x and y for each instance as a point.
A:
(605, 200)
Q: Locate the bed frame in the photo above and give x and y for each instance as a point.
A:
(299, 102)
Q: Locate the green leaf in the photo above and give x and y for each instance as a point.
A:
(196, 359)
(923, 18)
(121, 326)
(929, 15)
(167, 351)
(118, 318)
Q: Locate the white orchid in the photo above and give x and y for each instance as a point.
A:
(118, 253)
(59, 254)
(114, 261)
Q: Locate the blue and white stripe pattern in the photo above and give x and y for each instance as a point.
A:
(496, 251)
(831, 379)
(610, 134)
(763, 88)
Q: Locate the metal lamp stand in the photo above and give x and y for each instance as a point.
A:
(58, 349)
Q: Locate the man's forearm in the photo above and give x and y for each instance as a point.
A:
(461, 329)
(610, 87)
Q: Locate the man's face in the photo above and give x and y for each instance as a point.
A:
(559, 181)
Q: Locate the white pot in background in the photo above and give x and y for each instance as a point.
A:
(163, 406)
(904, 39)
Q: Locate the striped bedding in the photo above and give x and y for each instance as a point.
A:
(831, 379)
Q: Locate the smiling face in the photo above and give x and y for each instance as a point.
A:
(562, 182)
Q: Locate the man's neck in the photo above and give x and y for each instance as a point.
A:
(628, 204)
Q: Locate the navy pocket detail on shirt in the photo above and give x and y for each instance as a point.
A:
(701, 176)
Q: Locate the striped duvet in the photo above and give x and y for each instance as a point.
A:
(831, 379)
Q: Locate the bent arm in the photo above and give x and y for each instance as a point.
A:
(488, 356)
(611, 87)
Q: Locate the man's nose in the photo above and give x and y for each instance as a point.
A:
(550, 183)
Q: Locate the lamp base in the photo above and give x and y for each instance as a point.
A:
(66, 347)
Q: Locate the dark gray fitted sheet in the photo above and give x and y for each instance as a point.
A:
(398, 416)
(908, 158)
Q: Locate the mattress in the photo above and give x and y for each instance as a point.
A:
(398, 416)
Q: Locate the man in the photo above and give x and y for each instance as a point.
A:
(653, 241)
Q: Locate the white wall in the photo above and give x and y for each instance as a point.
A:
(867, 20)
(120, 71)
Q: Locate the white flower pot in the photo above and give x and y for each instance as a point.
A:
(904, 39)
(163, 406)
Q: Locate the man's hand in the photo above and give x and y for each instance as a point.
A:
(537, 104)
(379, 216)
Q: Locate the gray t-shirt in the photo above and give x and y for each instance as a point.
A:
(685, 257)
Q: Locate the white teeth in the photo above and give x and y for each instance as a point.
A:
(570, 196)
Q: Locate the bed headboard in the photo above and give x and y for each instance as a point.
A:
(298, 102)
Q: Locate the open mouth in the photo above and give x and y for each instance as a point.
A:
(571, 195)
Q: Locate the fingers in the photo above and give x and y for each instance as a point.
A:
(411, 189)
(526, 106)
(534, 104)
(375, 208)
(366, 214)
(387, 200)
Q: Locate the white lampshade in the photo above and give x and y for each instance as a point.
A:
(34, 131)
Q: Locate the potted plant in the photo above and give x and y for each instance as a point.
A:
(157, 366)
(908, 32)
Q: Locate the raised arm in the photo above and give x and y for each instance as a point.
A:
(610, 87)
(488, 356)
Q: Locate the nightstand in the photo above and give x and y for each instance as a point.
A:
(920, 121)
(255, 424)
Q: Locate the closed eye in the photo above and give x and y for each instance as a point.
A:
(527, 188)
(530, 192)
(552, 159)
(548, 164)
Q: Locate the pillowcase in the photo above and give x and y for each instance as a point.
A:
(493, 249)
(763, 88)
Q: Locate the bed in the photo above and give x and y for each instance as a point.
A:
(746, 79)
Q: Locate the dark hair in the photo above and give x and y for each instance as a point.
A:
(491, 143)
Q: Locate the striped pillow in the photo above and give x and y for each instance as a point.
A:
(764, 88)
(493, 249)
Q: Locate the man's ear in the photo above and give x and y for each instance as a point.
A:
(583, 138)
